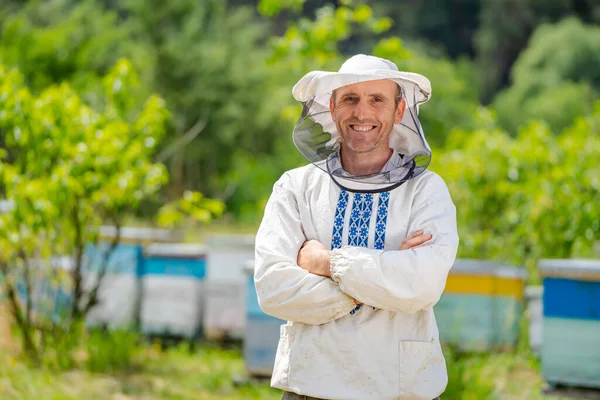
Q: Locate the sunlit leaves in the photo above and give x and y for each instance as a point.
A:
(193, 204)
(519, 199)
(274, 7)
(68, 167)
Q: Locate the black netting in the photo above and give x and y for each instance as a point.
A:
(316, 137)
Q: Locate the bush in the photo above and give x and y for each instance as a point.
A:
(113, 351)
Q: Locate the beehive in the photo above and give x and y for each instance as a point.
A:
(481, 305)
(571, 322)
(120, 292)
(262, 332)
(225, 301)
(172, 290)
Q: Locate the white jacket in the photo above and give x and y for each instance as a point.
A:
(389, 348)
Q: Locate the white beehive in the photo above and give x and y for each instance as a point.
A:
(225, 301)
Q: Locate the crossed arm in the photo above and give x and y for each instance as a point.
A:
(315, 258)
(303, 281)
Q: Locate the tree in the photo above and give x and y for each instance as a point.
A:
(533, 196)
(454, 99)
(448, 25)
(504, 30)
(210, 67)
(67, 169)
(204, 58)
(550, 84)
(57, 41)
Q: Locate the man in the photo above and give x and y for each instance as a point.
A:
(354, 250)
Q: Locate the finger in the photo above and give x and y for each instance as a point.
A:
(425, 243)
(415, 234)
(416, 241)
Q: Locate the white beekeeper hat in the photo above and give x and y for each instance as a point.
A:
(317, 138)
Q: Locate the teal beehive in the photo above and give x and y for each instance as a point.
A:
(571, 322)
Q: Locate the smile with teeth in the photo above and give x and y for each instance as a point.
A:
(362, 128)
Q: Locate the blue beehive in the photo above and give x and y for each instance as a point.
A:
(120, 293)
(172, 289)
(481, 305)
(571, 322)
(262, 332)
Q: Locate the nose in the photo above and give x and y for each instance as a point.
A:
(361, 110)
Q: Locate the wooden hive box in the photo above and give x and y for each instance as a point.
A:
(481, 306)
(225, 296)
(172, 290)
(571, 322)
(120, 294)
(261, 336)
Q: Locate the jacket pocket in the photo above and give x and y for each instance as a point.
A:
(422, 369)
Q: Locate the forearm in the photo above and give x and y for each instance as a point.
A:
(408, 280)
(290, 293)
(400, 281)
(284, 289)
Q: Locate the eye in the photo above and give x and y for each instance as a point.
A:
(378, 100)
(350, 98)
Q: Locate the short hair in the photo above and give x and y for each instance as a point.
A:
(397, 99)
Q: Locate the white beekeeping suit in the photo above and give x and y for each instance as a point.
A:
(387, 347)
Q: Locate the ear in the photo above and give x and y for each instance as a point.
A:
(400, 111)
(331, 105)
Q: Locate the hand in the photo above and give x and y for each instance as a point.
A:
(314, 257)
(417, 239)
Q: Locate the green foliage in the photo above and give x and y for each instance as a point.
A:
(529, 197)
(315, 43)
(274, 7)
(448, 25)
(191, 204)
(63, 40)
(205, 60)
(453, 102)
(64, 157)
(504, 30)
(550, 84)
(112, 351)
(67, 169)
(210, 68)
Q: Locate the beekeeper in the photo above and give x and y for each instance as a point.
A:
(354, 248)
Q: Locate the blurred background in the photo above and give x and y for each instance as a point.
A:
(140, 141)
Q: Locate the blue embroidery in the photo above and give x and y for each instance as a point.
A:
(358, 234)
(382, 213)
(338, 222)
(360, 218)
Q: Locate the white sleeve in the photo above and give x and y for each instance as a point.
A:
(405, 280)
(285, 290)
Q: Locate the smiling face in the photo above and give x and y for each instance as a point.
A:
(365, 113)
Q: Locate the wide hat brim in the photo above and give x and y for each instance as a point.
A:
(319, 85)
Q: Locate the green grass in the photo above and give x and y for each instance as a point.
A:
(119, 367)
(178, 373)
(208, 372)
